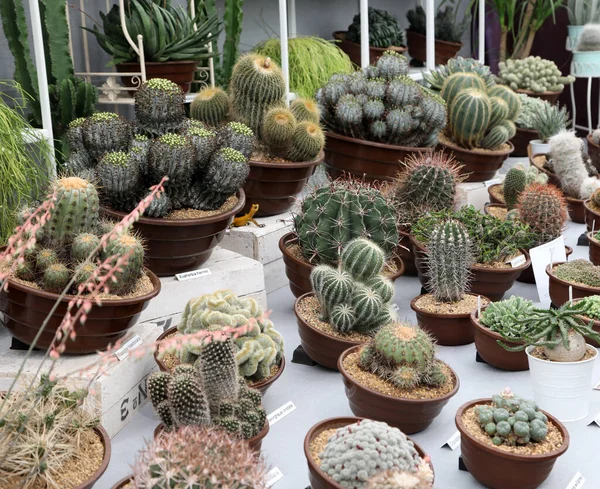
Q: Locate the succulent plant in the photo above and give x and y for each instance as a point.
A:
(517, 178)
(159, 106)
(238, 136)
(211, 106)
(356, 452)
(206, 142)
(129, 274)
(548, 120)
(384, 30)
(104, 132)
(83, 246)
(304, 109)
(119, 175)
(544, 209)
(256, 352)
(279, 126)
(75, 135)
(172, 155)
(437, 78)
(422, 478)
(447, 26)
(511, 420)
(159, 207)
(534, 74)
(579, 271)
(507, 317)
(56, 277)
(592, 306)
(529, 105)
(307, 142)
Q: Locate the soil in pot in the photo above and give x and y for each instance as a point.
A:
(410, 410)
(496, 193)
(559, 289)
(592, 215)
(353, 49)
(499, 211)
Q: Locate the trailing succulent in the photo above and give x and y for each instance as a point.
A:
(447, 28)
(355, 296)
(209, 393)
(256, 352)
(534, 74)
(340, 211)
(382, 103)
(517, 178)
(507, 317)
(404, 355)
(205, 167)
(512, 420)
(384, 30)
(436, 78)
(592, 305)
(256, 99)
(71, 235)
(356, 452)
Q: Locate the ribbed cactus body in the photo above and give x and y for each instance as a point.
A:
(495, 137)
(305, 110)
(514, 184)
(104, 132)
(160, 206)
(278, 128)
(75, 135)
(363, 259)
(499, 111)
(187, 401)
(211, 106)
(307, 142)
(83, 245)
(119, 176)
(129, 274)
(219, 372)
(174, 156)
(56, 277)
(159, 106)
(343, 318)
(206, 142)
(334, 286)
(83, 273)
(461, 81)
(511, 98)
(368, 306)
(45, 257)
(238, 136)
(545, 209)
(469, 116)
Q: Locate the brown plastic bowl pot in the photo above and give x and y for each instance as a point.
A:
(559, 289)
(318, 479)
(521, 140)
(490, 205)
(320, 347)
(123, 482)
(409, 415)
(353, 49)
(447, 329)
(25, 310)
(493, 198)
(255, 442)
(591, 216)
(274, 186)
(365, 159)
(180, 245)
(551, 97)
(594, 248)
(527, 276)
(298, 271)
(444, 50)
(594, 152)
(498, 469)
(552, 178)
(180, 72)
(486, 342)
(576, 209)
(478, 166)
(406, 253)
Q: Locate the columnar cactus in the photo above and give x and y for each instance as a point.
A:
(517, 179)
(119, 176)
(159, 106)
(212, 106)
(533, 73)
(545, 209)
(104, 132)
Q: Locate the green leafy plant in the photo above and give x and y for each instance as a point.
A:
(506, 317)
(384, 30)
(548, 120)
(447, 27)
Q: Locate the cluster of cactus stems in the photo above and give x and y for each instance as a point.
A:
(516, 180)
(384, 30)
(355, 296)
(382, 103)
(205, 166)
(507, 317)
(534, 74)
(208, 393)
(579, 271)
(436, 78)
(256, 99)
(256, 352)
(65, 245)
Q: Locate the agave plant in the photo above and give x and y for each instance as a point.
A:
(549, 120)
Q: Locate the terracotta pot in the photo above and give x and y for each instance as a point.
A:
(298, 271)
(594, 152)
(259, 386)
(477, 166)
(409, 415)
(352, 49)
(180, 72)
(521, 140)
(498, 469)
(180, 245)
(123, 482)
(559, 289)
(255, 442)
(595, 327)
(405, 252)
(493, 198)
(594, 249)
(444, 50)
(551, 97)
(274, 186)
(25, 310)
(447, 329)
(364, 159)
(590, 216)
(317, 478)
(486, 342)
(527, 276)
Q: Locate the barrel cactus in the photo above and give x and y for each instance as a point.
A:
(129, 273)
(307, 142)
(545, 209)
(534, 74)
(212, 106)
(238, 136)
(517, 178)
(278, 129)
(436, 78)
(304, 109)
(104, 132)
(119, 177)
(159, 107)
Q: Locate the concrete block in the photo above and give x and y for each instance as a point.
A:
(476, 193)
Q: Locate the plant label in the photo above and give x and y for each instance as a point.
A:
(493, 181)
(517, 261)
(576, 482)
(130, 344)
(193, 274)
(274, 475)
(541, 257)
(453, 442)
(395, 307)
(596, 420)
(597, 386)
(281, 412)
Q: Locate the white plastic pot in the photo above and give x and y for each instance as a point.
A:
(538, 147)
(562, 388)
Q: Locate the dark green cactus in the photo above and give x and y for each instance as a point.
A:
(104, 132)
(79, 164)
(119, 175)
(159, 106)
(159, 207)
(75, 135)
(172, 155)
(384, 30)
(129, 274)
(205, 141)
(211, 106)
(237, 136)
(307, 141)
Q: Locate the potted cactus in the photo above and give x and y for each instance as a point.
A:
(327, 442)
(526, 132)
(582, 276)
(348, 305)
(66, 256)
(508, 435)
(547, 120)
(386, 383)
(480, 123)
(258, 352)
(516, 180)
(206, 171)
(445, 312)
(385, 34)
(376, 117)
(209, 393)
(288, 143)
(364, 211)
(591, 314)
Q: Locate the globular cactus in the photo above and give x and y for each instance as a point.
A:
(422, 478)
(83, 246)
(172, 155)
(56, 277)
(45, 257)
(534, 74)
(83, 273)
(461, 81)
(512, 420)
(129, 274)
(278, 129)
(360, 210)
(391, 65)
(545, 209)
(25, 271)
(307, 142)
(104, 132)
(159, 207)
(437, 78)
(384, 29)
(138, 149)
(75, 135)
(238, 136)
(517, 178)
(512, 100)
(119, 176)
(403, 354)
(305, 109)
(469, 116)
(344, 456)
(159, 106)
(449, 257)
(211, 106)
(206, 142)
(79, 164)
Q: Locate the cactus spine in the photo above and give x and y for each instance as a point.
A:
(469, 116)
(211, 106)
(545, 209)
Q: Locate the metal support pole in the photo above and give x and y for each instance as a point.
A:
(283, 33)
(430, 34)
(482, 31)
(365, 58)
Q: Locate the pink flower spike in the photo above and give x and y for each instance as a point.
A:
(54, 355)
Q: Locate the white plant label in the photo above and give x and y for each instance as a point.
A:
(541, 257)
(493, 181)
(454, 441)
(577, 482)
(517, 261)
(597, 386)
(129, 345)
(274, 475)
(192, 275)
(281, 412)
(395, 307)
(596, 420)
